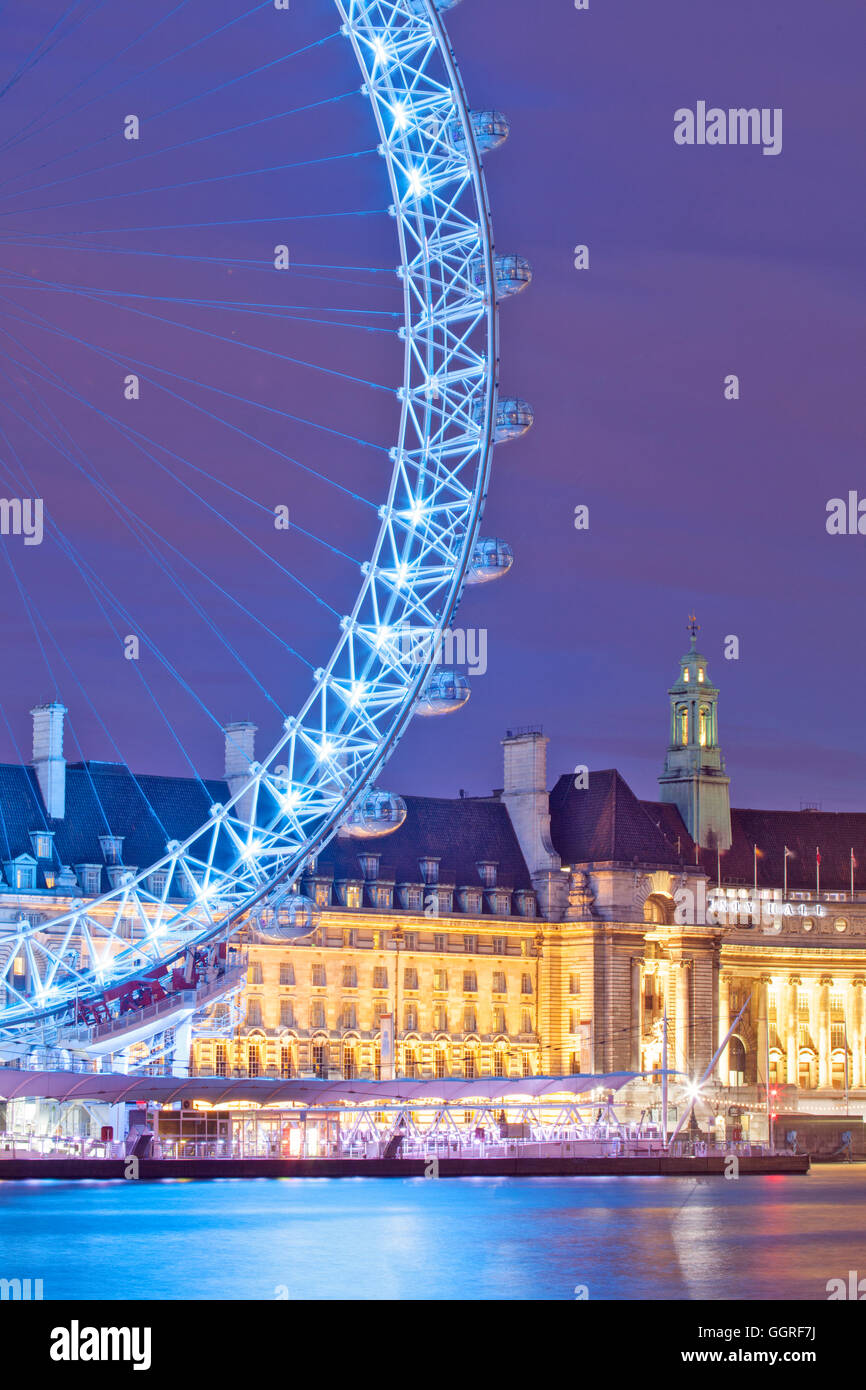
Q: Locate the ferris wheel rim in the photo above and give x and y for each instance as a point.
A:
(364, 22)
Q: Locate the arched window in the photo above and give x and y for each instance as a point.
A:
(658, 910)
(704, 726)
(737, 1062)
(683, 724)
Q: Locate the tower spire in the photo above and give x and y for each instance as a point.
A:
(694, 777)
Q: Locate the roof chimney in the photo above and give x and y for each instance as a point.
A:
(528, 804)
(240, 755)
(48, 758)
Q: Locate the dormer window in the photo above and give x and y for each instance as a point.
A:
(429, 867)
(157, 882)
(89, 878)
(487, 872)
(112, 848)
(370, 866)
(21, 873)
(42, 842)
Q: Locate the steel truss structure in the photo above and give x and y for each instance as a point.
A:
(248, 855)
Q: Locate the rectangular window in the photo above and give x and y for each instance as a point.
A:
(254, 1013)
(440, 980)
(525, 1021)
(440, 1019)
(380, 977)
(470, 945)
(350, 977)
(317, 1014)
(410, 977)
(527, 1064)
(499, 982)
(320, 1059)
(470, 1022)
(287, 972)
(287, 1013)
(470, 982)
(440, 1062)
(498, 1020)
(410, 1018)
(255, 973)
(287, 1066)
(500, 946)
(319, 980)
(526, 983)
(348, 1017)
(221, 1059)
(411, 941)
(440, 942)
(470, 1064)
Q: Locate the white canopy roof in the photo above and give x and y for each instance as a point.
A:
(113, 1088)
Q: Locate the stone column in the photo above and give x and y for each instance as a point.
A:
(682, 997)
(723, 1067)
(636, 1011)
(763, 1074)
(858, 1029)
(792, 1031)
(824, 1072)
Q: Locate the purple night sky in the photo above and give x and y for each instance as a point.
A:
(704, 262)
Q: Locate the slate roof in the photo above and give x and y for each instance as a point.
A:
(103, 799)
(459, 832)
(148, 811)
(835, 833)
(604, 822)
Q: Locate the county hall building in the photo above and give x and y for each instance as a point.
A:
(534, 930)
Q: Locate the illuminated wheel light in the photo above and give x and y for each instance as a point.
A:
(431, 94)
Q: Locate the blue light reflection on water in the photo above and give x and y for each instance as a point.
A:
(484, 1238)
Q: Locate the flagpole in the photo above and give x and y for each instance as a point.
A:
(817, 873)
(852, 874)
(785, 874)
(665, 1079)
(756, 873)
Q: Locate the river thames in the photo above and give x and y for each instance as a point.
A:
(474, 1239)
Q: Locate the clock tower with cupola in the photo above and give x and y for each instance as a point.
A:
(694, 777)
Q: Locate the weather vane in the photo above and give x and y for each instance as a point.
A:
(694, 628)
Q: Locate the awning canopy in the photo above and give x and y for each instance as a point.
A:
(112, 1088)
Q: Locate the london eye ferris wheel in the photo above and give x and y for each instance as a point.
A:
(262, 440)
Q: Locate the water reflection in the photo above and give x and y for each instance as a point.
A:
(628, 1238)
